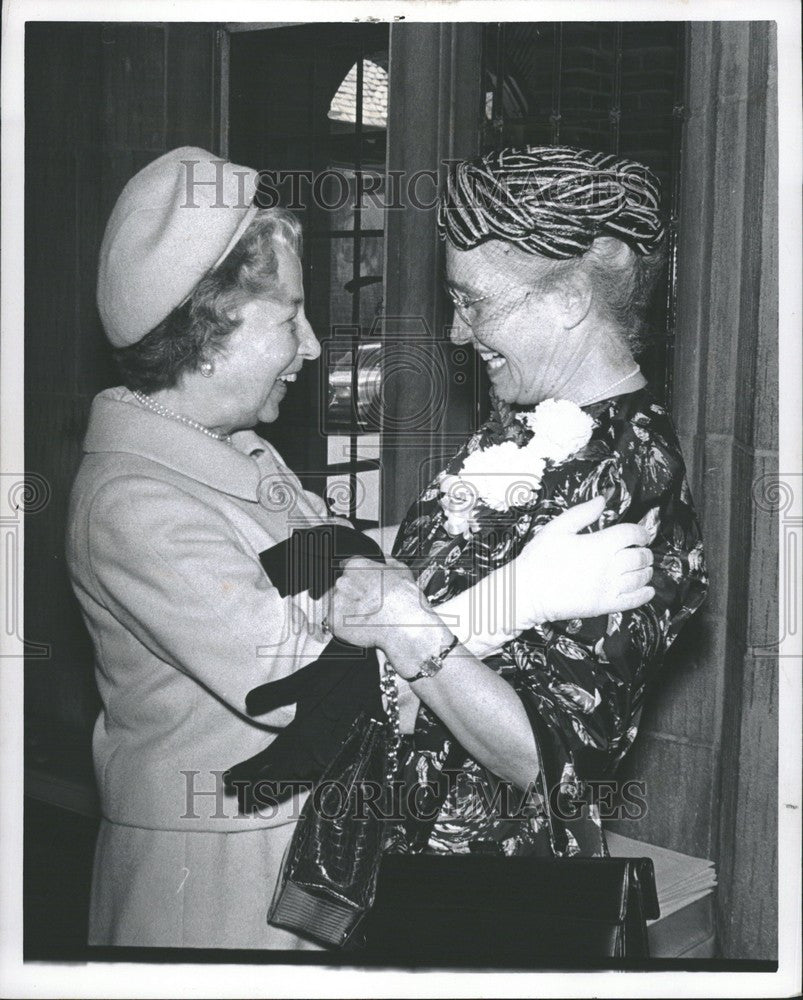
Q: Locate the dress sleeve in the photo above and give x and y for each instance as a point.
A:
(173, 571)
(588, 677)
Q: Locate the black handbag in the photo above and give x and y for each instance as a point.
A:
(514, 912)
(473, 909)
(329, 873)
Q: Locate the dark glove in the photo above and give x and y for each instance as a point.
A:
(313, 558)
(329, 693)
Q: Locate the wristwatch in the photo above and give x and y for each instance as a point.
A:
(433, 663)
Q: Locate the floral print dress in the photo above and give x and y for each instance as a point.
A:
(587, 678)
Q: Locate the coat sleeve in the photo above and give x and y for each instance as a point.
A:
(588, 677)
(173, 571)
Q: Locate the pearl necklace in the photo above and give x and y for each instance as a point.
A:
(604, 394)
(163, 411)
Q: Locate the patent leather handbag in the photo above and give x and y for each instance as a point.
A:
(328, 877)
(519, 912)
(488, 910)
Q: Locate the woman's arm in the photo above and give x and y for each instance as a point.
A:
(486, 616)
(382, 606)
(171, 569)
(557, 576)
(481, 709)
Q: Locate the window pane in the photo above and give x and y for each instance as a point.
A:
(526, 68)
(366, 501)
(336, 190)
(343, 108)
(367, 287)
(339, 448)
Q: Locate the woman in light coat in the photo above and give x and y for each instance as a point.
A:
(201, 296)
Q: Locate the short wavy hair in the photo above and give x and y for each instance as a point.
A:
(624, 284)
(198, 328)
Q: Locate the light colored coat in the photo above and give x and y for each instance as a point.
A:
(164, 530)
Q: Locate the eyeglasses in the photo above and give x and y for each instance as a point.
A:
(463, 305)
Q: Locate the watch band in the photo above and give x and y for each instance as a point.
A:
(433, 663)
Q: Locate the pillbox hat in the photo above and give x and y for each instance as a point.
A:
(175, 220)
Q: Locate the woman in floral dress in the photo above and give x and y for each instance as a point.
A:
(552, 255)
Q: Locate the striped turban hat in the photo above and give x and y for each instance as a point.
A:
(550, 200)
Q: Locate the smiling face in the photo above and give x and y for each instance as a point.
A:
(519, 325)
(266, 350)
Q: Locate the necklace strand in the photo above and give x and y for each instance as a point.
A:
(607, 389)
(164, 411)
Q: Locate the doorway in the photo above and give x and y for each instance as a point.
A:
(308, 105)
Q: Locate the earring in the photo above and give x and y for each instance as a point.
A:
(207, 368)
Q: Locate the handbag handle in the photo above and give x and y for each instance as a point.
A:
(548, 775)
(375, 734)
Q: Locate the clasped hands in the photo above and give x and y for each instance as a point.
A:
(558, 575)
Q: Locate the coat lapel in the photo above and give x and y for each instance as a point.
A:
(118, 423)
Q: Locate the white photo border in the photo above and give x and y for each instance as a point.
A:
(142, 980)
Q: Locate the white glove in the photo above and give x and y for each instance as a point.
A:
(558, 575)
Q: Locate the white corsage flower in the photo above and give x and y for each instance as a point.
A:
(505, 475)
(509, 475)
(458, 501)
(559, 427)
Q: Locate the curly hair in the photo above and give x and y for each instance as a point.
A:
(197, 328)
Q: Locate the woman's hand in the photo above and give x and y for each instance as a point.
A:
(561, 575)
(558, 575)
(376, 605)
(372, 603)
